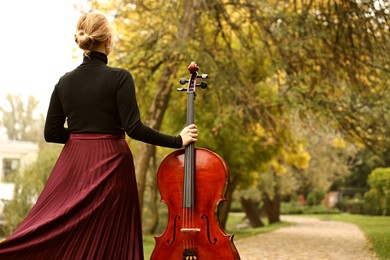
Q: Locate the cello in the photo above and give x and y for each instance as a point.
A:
(192, 182)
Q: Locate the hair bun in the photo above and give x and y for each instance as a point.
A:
(84, 41)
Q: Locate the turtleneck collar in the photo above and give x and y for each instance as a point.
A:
(95, 57)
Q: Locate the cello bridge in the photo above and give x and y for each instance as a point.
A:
(189, 230)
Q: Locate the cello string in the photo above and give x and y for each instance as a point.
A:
(185, 226)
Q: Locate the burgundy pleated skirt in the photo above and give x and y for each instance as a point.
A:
(89, 208)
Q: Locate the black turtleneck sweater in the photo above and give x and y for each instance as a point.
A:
(96, 98)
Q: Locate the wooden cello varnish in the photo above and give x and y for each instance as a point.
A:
(192, 182)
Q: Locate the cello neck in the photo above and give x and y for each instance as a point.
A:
(189, 163)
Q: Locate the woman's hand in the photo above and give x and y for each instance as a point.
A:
(189, 134)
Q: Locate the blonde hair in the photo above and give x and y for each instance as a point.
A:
(92, 30)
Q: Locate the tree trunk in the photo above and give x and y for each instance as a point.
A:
(272, 207)
(151, 198)
(251, 209)
(155, 116)
(154, 206)
(272, 202)
(160, 101)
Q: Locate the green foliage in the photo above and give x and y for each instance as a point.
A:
(296, 208)
(315, 197)
(378, 197)
(29, 185)
(354, 205)
(326, 50)
(365, 161)
(325, 61)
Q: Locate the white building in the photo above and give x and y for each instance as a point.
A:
(14, 157)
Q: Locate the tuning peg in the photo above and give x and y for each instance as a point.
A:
(203, 76)
(183, 81)
(203, 84)
(181, 89)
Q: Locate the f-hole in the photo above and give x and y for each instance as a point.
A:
(204, 216)
(174, 231)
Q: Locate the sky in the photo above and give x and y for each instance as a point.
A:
(37, 47)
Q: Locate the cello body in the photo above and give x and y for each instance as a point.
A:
(192, 183)
(211, 182)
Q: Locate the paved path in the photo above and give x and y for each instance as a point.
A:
(308, 239)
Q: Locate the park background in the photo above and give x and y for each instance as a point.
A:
(297, 103)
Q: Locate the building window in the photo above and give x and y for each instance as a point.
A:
(10, 169)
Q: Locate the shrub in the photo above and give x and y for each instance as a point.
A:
(315, 197)
(378, 196)
(355, 206)
(293, 209)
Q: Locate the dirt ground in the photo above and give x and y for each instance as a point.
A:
(308, 238)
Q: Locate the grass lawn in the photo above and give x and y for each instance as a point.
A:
(376, 229)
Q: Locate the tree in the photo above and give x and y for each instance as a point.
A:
(29, 184)
(323, 51)
(269, 59)
(365, 161)
(336, 63)
(331, 157)
(20, 121)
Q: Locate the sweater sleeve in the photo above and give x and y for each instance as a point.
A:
(54, 131)
(130, 116)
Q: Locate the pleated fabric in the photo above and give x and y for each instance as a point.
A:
(89, 208)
